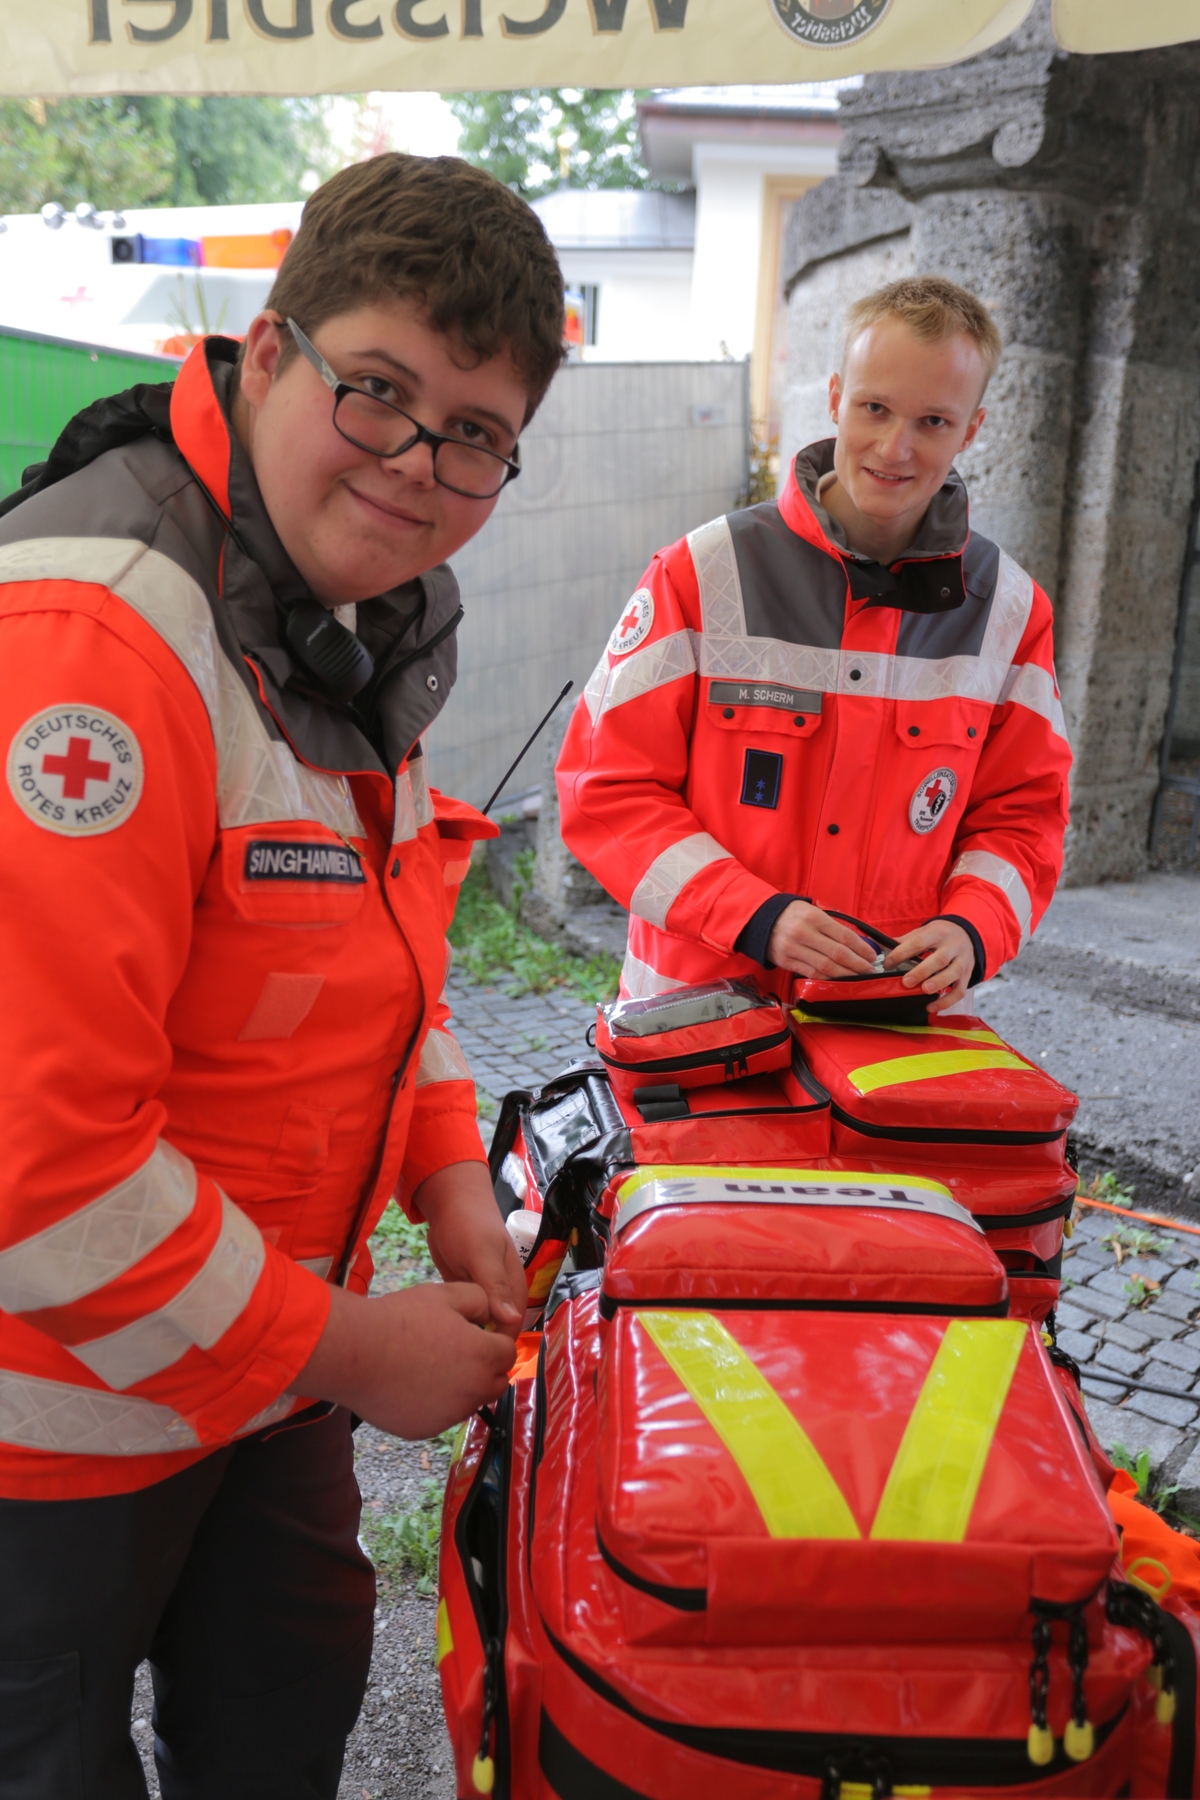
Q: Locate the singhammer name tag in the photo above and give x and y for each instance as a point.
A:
(270, 860)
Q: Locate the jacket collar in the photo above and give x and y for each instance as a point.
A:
(928, 578)
(259, 582)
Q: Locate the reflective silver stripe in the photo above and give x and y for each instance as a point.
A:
(769, 660)
(1028, 684)
(1001, 874)
(441, 1060)
(270, 1415)
(316, 1265)
(667, 659)
(404, 823)
(715, 563)
(593, 693)
(725, 652)
(100, 1241)
(640, 981)
(258, 779)
(199, 1314)
(786, 1187)
(670, 872)
(422, 804)
(77, 1421)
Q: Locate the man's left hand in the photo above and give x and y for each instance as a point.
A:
(946, 962)
(468, 1240)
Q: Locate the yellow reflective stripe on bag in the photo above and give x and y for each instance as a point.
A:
(792, 1488)
(897, 1070)
(933, 1482)
(967, 1034)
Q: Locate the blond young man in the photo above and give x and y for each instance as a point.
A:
(840, 701)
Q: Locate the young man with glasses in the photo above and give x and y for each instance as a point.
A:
(226, 623)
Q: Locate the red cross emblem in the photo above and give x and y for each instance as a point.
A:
(632, 620)
(931, 793)
(76, 768)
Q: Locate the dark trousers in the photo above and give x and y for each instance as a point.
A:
(240, 1578)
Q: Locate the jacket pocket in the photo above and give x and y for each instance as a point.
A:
(292, 873)
(930, 725)
(755, 707)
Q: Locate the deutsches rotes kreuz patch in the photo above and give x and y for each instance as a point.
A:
(634, 623)
(76, 770)
(828, 24)
(931, 799)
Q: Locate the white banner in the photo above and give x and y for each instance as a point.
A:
(55, 47)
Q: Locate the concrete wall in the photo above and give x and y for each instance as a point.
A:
(1065, 191)
(1186, 736)
(615, 465)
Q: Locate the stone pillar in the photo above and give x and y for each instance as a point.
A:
(1065, 191)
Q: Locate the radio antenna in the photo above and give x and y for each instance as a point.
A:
(526, 747)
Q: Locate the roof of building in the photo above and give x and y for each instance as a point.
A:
(618, 219)
(674, 120)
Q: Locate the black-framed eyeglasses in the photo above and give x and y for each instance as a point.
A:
(386, 431)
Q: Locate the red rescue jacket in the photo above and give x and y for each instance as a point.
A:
(773, 714)
(223, 924)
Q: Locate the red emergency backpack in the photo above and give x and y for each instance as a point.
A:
(793, 1500)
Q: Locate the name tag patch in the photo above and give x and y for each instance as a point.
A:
(761, 778)
(758, 693)
(267, 859)
(75, 770)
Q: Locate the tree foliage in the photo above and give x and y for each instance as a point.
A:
(157, 150)
(529, 137)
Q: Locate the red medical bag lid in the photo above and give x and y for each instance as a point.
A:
(829, 1237)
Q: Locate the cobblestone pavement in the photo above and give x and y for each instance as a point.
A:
(517, 1043)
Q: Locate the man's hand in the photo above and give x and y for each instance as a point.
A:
(946, 965)
(411, 1363)
(468, 1240)
(808, 942)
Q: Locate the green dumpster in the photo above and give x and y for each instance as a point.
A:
(44, 380)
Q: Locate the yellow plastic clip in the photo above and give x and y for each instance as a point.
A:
(1079, 1740)
(1154, 1677)
(483, 1774)
(1069, 1227)
(1040, 1745)
(1164, 1706)
(1047, 1340)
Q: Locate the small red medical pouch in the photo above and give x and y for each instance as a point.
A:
(951, 1082)
(716, 1031)
(834, 1237)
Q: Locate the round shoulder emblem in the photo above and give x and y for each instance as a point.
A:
(76, 770)
(828, 24)
(634, 624)
(931, 799)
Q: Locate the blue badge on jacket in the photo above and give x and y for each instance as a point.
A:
(760, 782)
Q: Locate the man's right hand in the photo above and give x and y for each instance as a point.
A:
(411, 1363)
(808, 942)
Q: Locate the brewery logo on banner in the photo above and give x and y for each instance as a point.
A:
(828, 24)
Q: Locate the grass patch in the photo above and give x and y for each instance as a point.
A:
(1106, 1187)
(399, 1245)
(1137, 1464)
(409, 1540)
(492, 948)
